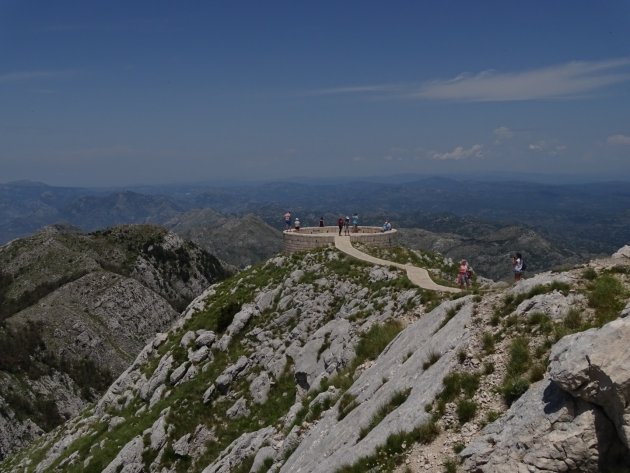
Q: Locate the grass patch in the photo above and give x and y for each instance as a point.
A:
(487, 343)
(397, 399)
(391, 453)
(450, 313)
(433, 357)
(606, 296)
(450, 466)
(346, 404)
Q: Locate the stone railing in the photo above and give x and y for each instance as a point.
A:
(308, 238)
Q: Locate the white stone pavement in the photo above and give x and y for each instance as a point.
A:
(419, 276)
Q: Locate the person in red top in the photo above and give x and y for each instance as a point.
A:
(340, 223)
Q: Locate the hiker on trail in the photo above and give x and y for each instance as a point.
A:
(297, 224)
(355, 222)
(287, 220)
(517, 266)
(340, 224)
(462, 276)
(321, 222)
(347, 226)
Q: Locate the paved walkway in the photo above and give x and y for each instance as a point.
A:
(419, 276)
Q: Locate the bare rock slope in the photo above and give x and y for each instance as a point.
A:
(320, 363)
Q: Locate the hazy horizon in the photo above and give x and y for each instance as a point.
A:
(114, 94)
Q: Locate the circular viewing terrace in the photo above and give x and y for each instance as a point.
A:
(308, 238)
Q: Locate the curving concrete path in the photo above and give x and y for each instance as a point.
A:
(419, 276)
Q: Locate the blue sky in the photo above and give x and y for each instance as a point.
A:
(140, 92)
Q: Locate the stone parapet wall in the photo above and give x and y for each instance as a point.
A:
(379, 240)
(308, 238)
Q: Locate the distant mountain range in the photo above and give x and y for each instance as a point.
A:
(241, 223)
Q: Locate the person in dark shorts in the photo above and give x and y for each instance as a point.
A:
(340, 224)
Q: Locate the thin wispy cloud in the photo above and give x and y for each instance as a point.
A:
(502, 133)
(27, 76)
(357, 89)
(543, 146)
(618, 140)
(459, 153)
(563, 81)
(571, 80)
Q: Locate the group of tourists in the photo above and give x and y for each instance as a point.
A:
(466, 274)
(344, 224)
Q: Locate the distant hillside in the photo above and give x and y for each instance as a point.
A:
(578, 222)
(239, 241)
(488, 248)
(77, 308)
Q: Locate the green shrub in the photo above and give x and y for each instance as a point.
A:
(536, 372)
(513, 388)
(543, 321)
(487, 343)
(457, 383)
(519, 356)
(458, 447)
(589, 274)
(450, 466)
(573, 320)
(466, 410)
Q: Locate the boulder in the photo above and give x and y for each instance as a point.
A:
(205, 338)
(623, 252)
(259, 387)
(129, 458)
(594, 366)
(238, 409)
(242, 448)
(554, 304)
(545, 430)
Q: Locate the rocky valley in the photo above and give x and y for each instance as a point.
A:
(77, 308)
(316, 362)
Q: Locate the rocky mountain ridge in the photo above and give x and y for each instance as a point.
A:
(77, 308)
(319, 363)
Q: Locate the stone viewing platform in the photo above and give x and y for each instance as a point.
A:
(308, 238)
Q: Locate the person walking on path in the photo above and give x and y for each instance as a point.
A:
(321, 222)
(287, 220)
(347, 226)
(297, 224)
(517, 266)
(355, 222)
(340, 224)
(462, 277)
